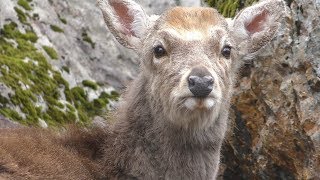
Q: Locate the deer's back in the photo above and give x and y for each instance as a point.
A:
(41, 154)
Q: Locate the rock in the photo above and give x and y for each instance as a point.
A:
(6, 123)
(275, 112)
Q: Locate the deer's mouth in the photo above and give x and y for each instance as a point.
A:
(199, 103)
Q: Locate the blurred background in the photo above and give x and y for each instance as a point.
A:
(59, 65)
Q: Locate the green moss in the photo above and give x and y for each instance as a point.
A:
(24, 4)
(32, 81)
(51, 52)
(35, 16)
(99, 103)
(66, 69)
(3, 100)
(11, 113)
(90, 84)
(35, 77)
(56, 29)
(21, 15)
(229, 8)
(113, 96)
(70, 108)
(86, 38)
(10, 31)
(63, 20)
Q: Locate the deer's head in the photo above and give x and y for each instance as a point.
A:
(189, 56)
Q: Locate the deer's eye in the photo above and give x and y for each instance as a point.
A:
(159, 51)
(226, 51)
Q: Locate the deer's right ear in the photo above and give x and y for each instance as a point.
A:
(126, 20)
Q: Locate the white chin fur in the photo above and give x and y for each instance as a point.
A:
(190, 103)
(209, 103)
(193, 103)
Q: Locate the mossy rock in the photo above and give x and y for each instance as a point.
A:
(37, 86)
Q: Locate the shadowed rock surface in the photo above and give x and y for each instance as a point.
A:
(276, 105)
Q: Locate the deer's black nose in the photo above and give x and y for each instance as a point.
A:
(200, 82)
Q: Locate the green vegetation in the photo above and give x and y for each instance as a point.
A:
(229, 8)
(21, 15)
(37, 86)
(51, 52)
(10, 31)
(66, 69)
(64, 21)
(85, 37)
(56, 28)
(90, 84)
(35, 16)
(24, 4)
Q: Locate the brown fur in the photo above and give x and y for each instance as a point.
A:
(33, 153)
(192, 18)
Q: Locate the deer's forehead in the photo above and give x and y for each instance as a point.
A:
(193, 23)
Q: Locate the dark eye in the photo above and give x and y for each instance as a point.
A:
(159, 51)
(226, 51)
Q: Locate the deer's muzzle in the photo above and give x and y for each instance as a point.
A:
(200, 82)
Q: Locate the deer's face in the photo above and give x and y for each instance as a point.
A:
(188, 55)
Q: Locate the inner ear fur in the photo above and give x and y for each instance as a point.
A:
(122, 12)
(255, 26)
(126, 20)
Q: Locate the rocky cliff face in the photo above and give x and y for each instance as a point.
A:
(276, 106)
(58, 61)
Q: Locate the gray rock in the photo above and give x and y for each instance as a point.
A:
(6, 123)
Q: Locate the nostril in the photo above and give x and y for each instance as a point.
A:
(208, 79)
(192, 80)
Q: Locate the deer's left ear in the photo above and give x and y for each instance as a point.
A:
(255, 26)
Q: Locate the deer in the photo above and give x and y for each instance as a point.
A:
(172, 119)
